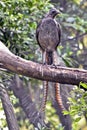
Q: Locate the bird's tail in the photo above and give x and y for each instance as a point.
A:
(45, 93)
(58, 97)
(49, 58)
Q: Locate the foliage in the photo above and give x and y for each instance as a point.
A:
(74, 24)
(18, 21)
(78, 106)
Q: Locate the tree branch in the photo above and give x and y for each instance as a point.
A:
(74, 38)
(8, 109)
(43, 72)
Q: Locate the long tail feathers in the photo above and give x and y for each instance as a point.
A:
(49, 60)
(45, 93)
(58, 96)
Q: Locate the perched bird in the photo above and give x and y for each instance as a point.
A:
(48, 35)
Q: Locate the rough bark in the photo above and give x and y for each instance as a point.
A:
(8, 109)
(43, 72)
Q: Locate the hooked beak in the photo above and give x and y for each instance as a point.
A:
(58, 12)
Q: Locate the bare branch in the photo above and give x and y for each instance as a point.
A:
(74, 38)
(8, 109)
(35, 70)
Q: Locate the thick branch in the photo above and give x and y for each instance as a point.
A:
(35, 70)
(8, 109)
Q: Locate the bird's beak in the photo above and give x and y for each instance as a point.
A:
(58, 12)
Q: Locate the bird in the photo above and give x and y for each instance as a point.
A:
(48, 36)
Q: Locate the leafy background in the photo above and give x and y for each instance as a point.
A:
(18, 21)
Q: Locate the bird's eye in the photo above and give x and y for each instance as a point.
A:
(53, 11)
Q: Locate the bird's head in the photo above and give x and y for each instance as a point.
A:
(53, 12)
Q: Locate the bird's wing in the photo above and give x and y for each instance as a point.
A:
(37, 33)
(59, 32)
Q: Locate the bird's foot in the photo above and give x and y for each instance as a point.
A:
(54, 66)
(45, 63)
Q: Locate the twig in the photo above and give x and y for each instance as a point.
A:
(76, 37)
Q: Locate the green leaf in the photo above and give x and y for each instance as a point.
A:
(84, 85)
(77, 119)
(66, 112)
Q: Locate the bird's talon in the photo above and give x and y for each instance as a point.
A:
(54, 66)
(44, 63)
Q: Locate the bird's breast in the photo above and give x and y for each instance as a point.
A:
(48, 35)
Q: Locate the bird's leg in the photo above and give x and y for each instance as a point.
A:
(43, 61)
(56, 61)
(44, 57)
